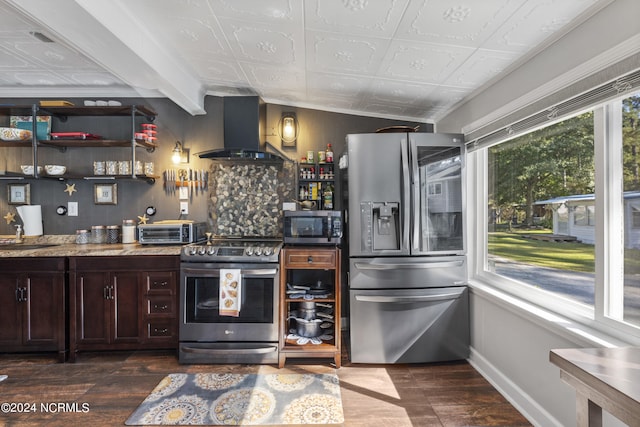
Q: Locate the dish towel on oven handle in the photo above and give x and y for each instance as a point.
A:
(230, 292)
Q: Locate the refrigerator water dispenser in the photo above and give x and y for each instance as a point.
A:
(386, 224)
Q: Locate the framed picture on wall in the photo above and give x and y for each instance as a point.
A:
(19, 194)
(105, 194)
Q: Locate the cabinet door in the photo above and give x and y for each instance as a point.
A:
(92, 307)
(126, 311)
(44, 308)
(11, 312)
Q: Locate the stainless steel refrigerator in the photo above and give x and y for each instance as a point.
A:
(408, 299)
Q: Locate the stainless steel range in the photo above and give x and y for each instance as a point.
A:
(229, 301)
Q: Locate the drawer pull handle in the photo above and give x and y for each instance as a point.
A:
(163, 283)
(310, 259)
(160, 307)
(162, 331)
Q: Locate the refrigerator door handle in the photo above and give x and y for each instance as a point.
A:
(415, 200)
(408, 299)
(417, 265)
(405, 196)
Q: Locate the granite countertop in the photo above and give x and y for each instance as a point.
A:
(65, 246)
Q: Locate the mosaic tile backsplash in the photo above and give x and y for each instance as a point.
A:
(246, 197)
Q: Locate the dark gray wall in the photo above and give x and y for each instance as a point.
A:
(197, 133)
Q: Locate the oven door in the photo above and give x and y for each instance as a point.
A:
(199, 304)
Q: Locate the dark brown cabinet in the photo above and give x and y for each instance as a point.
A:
(108, 305)
(32, 291)
(119, 303)
(160, 301)
(303, 268)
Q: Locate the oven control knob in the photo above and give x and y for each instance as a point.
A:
(202, 250)
(249, 250)
(268, 251)
(258, 251)
(211, 250)
(190, 251)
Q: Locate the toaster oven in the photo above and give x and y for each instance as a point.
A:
(171, 232)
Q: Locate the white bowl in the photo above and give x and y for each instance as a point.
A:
(14, 134)
(55, 169)
(28, 169)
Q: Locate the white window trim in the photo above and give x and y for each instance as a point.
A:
(609, 211)
(596, 319)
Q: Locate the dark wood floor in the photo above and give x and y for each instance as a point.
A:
(114, 384)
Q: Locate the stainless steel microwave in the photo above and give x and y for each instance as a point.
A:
(171, 232)
(312, 227)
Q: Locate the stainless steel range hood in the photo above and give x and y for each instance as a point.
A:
(245, 120)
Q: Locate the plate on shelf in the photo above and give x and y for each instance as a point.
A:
(74, 135)
(14, 134)
(43, 125)
(55, 170)
(56, 103)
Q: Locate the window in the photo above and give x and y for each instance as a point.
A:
(635, 217)
(556, 197)
(630, 109)
(584, 215)
(546, 175)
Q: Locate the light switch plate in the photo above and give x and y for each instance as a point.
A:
(72, 208)
(184, 208)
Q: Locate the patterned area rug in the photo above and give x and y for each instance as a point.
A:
(242, 399)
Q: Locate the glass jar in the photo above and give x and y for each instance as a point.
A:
(124, 167)
(111, 167)
(82, 237)
(99, 168)
(148, 168)
(113, 234)
(128, 231)
(99, 234)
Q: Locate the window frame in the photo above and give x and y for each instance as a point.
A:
(606, 314)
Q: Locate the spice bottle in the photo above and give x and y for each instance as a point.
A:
(328, 156)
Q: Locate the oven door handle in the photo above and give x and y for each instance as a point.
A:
(259, 350)
(259, 272)
(216, 273)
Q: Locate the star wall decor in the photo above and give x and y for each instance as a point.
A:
(10, 217)
(143, 219)
(71, 188)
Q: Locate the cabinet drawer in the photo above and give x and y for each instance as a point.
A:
(310, 259)
(161, 282)
(161, 305)
(160, 329)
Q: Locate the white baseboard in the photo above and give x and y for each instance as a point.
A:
(524, 403)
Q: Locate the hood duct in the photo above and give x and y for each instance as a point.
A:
(245, 120)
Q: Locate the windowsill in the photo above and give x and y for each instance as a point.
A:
(581, 334)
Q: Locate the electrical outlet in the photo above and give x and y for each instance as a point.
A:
(72, 208)
(183, 193)
(184, 208)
